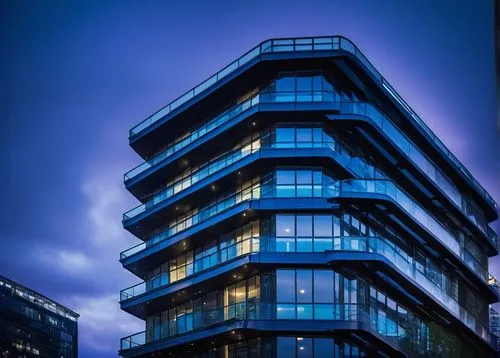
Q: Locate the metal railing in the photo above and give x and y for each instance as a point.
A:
(314, 44)
(204, 129)
(199, 320)
(378, 245)
(421, 161)
(335, 188)
(382, 121)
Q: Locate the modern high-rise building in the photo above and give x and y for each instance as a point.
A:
(294, 205)
(32, 325)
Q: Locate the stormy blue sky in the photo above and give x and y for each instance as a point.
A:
(76, 75)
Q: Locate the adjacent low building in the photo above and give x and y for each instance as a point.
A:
(294, 205)
(32, 325)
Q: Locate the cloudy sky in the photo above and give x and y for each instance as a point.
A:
(75, 76)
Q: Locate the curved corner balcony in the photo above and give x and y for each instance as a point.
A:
(253, 101)
(385, 125)
(337, 189)
(231, 158)
(404, 263)
(422, 162)
(313, 44)
(361, 315)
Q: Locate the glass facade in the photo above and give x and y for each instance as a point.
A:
(343, 216)
(34, 326)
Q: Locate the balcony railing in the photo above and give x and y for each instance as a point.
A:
(433, 172)
(335, 189)
(195, 321)
(204, 129)
(420, 160)
(193, 136)
(379, 245)
(314, 44)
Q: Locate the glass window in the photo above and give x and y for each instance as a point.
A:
(322, 225)
(285, 347)
(304, 135)
(305, 349)
(304, 311)
(285, 84)
(323, 347)
(285, 280)
(285, 225)
(285, 310)
(285, 135)
(304, 286)
(317, 83)
(304, 177)
(323, 286)
(304, 83)
(304, 225)
(285, 177)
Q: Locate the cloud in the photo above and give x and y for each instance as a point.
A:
(107, 200)
(102, 323)
(71, 262)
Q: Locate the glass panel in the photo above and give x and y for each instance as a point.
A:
(285, 225)
(285, 280)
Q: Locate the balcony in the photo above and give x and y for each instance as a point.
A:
(405, 265)
(314, 97)
(314, 45)
(260, 312)
(423, 164)
(385, 125)
(350, 188)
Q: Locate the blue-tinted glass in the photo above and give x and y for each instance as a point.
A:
(304, 135)
(317, 135)
(317, 177)
(285, 311)
(285, 347)
(317, 83)
(304, 177)
(324, 311)
(336, 348)
(285, 244)
(304, 285)
(305, 191)
(285, 177)
(285, 225)
(322, 244)
(305, 348)
(347, 350)
(304, 83)
(286, 191)
(285, 282)
(304, 244)
(285, 84)
(285, 135)
(323, 225)
(304, 311)
(323, 286)
(323, 347)
(304, 225)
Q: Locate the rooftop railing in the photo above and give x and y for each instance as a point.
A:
(314, 44)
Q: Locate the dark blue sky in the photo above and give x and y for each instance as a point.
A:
(75, 76)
